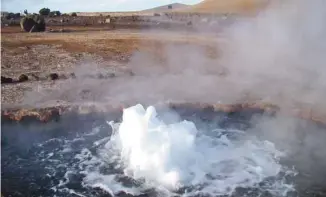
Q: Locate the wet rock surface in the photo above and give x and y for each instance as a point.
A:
(48, 113)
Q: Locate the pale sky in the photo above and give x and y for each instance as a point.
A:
(86, 5)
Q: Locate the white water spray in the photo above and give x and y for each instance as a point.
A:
(174, 156)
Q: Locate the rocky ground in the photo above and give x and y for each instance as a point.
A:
(39, 60)
(90, 66)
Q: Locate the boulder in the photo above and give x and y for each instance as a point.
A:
(32, 23)
(53, 76)
(36, 77)
(27, 23)
(72, 75)
(23, 78)
(6, 80)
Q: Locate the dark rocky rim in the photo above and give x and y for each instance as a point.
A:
(53, 113)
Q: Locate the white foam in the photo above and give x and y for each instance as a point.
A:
(151, 149)
(166, 157)
(178, 155)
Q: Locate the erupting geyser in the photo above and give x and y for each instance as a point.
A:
(148, 154)
(175, 156)
(154, 150)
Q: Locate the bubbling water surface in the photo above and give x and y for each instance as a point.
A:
(179, 157)
(146, 154)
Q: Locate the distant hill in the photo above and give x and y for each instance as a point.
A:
(227, 6)
(166, 8)
(109, 13)
(206, 6)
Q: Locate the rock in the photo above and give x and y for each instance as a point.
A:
(23, 78)
(32, 115)
(32, 23)
(63, 76)
(111, 75)
(6, 80)
(35, 77)
(72, 75)
(100, 76)
(53, 76)
(27, 23)
(106, 76)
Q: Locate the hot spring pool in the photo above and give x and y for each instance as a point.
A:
(183, 152)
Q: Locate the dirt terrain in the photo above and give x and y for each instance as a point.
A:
(117, 66)
(90, 55)
(40, 54)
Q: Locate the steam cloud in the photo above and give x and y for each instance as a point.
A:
(280, 53)
(277, 56)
